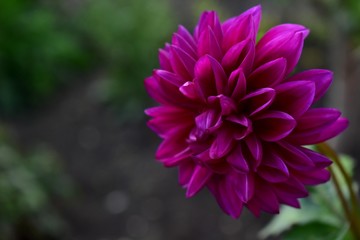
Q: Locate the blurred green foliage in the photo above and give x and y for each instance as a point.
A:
(126, 35)
(345, 12)
(352, 8)
(37, 53)
(28, 186)
(42, 48)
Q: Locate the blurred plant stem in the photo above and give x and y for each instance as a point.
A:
(351, 212)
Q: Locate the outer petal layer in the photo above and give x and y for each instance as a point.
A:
(285, 41)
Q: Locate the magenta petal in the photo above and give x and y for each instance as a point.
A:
(322, 79)
(172, 151)
(198, 179)
(234, 55)
(319, 160)
(169, 89)
(293, 188)
(268, 75)
(242, 29)
(317, 118)
(265, 198)
(164, 60)
(208, 120)
(219, 75)
(237, 85)
(221, 145)
(168, 76)
(158, 111)
(167, 92)
(240, 55)
(178, 65)
(294, 98)
(319, 135)
(230, 198)
(248, 59)
(237, 160)
(202, 157)
(182, 63)
(254, 11)
(204, 79)
(226, 197)
(245, 186)
(294, 156)
(208, 44)
(209, 76)
(239, 28)
(255, 147)
(273, 169)
(288, 192)
(281, 31)
(241, 126)
(227, 105)
(167, 120)
(273, 125)
(186, 170)
(258, 100)
(281, 41)
(254, 206)
(163, 93)
(286, 198)
(218, 167)
(185, 45)
(313, 177)
(184, 33)
(152, 88)
(240, 120)
(189, 90)
(209, 19)
(202, 24)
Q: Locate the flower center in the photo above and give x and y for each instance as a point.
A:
(218, 128)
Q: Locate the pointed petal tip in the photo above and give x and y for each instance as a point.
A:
(274, 125)
(304, 32)
(345, 122)
(256, 212)
(189, 194)
(325, 72)
(296, 28)
(198, 180)
(254, 11)
(235, 215)
(320, 135)
(181, 27)
(338, 127)
(148, 112)
(256, 8)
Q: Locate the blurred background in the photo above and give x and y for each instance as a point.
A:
(76, 158)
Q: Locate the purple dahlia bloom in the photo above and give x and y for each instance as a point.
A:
(234, 120)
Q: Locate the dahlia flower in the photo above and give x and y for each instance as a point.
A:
(233, 118)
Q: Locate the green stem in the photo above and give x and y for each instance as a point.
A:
(351, 214)
(328, 151)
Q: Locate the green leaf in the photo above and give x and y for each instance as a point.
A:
(290, 217)
(312, 231)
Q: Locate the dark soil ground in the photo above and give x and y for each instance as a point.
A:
(122, 193)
